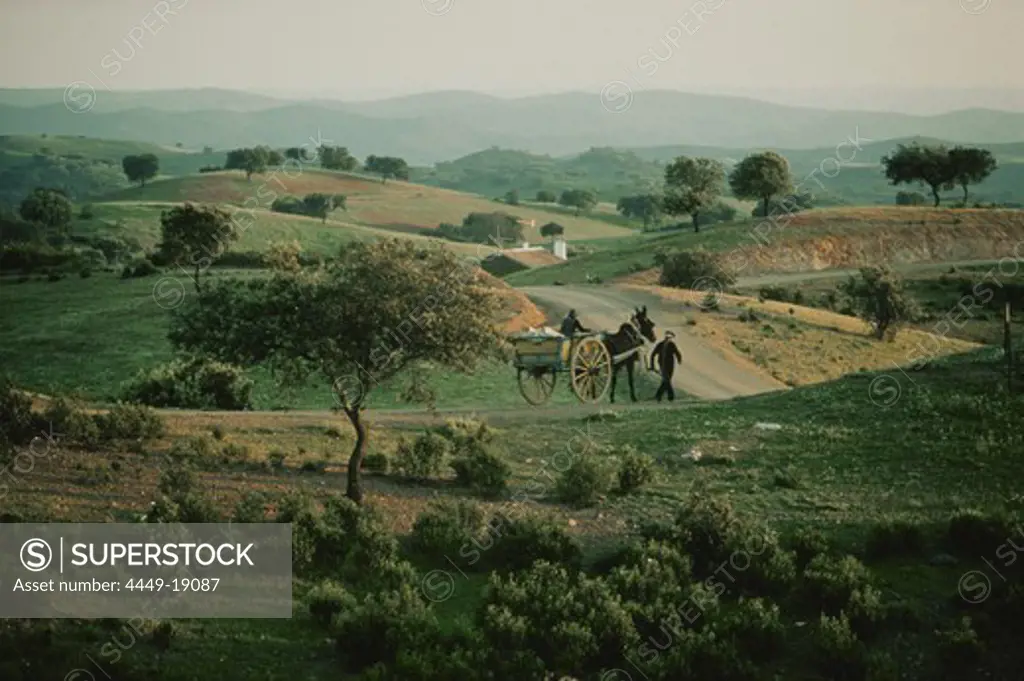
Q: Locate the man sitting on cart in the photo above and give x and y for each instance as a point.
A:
(571, 325)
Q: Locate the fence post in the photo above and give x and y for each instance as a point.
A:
(1008, 345)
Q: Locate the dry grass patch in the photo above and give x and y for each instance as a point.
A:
(806, 345)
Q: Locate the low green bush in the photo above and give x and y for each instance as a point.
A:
(635, 470)
(446, 526)
(381, 625)
(837, 652)
(575, 625)
(585, 480)
(328, 599)
(481, 469)
(424, 458)
(894, 538)
(516, 543)
(195, 383)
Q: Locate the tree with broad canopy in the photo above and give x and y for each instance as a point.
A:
(377, 311)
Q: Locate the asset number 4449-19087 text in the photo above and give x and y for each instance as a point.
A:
(193, 584)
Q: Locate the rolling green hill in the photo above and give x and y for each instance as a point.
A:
(394, 206)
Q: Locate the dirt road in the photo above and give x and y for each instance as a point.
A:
(704, 372)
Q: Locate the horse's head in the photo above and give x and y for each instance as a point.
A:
(642, 322)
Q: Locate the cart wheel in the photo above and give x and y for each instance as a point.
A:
(591, 367)
(536, 384)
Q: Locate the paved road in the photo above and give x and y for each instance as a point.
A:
(704, 373)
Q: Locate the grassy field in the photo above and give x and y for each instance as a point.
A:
(840, 462)
(941, 296)
(393, 205)
(257, 230)
(99, 332)
(813, 240)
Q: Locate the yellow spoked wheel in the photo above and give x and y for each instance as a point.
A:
(591, 367)
(536, 384)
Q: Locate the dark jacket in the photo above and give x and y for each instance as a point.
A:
(571, 325)
(667, 354)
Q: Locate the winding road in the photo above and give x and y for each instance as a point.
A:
(704, 373)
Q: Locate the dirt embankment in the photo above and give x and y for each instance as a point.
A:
(851, 238)
(518, 313)
(857, 238)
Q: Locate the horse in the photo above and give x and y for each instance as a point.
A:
(630, 336)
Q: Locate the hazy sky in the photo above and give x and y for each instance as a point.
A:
(361, 48)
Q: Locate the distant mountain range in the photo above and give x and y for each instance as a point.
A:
(440, 126)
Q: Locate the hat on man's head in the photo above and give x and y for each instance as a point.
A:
(670, 334)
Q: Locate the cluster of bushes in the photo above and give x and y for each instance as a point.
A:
(313, 205)
(210, 169)
(593, 474)
(461, 531)
(466, 446)
(140, 268)
(193, 383)
(484, 228)
(122, 423)
(687, 269)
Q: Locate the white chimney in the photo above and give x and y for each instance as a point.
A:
(558, 248)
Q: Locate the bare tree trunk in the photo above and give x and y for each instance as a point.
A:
(965, 196)
(767, 200)
(355, 462)
(696, 221)
(935, 194)
(197, 278)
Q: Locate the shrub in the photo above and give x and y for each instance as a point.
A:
(880, 300)
(575, 625)
(130, 422)
(233, 452)
(829, 583)
(708, 530)
(18, 425)
(85, 273)
(635, 470)
(190, 450)
(446, 526)
(275, 459)
(251, 508)
(347, 541)
(894, 538)
(838, 654)
(685, 269)
(376, 462)
(972, 532)
(516, 543)
(779, 293)
(424, 458)
(960, 650)
(54, 276)
(383, 624)
(480, 469)
(328, 599)
(756, 627)
(196, 383)
(583, 482)
(807, 544)
(218, 432)
(73, 423)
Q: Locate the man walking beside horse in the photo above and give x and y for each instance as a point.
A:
(666, 354)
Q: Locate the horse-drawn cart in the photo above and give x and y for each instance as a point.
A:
(541, 355)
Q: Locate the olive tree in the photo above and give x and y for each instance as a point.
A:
(761, 177)
(195, 234)
(377, 311)
(879, 299)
